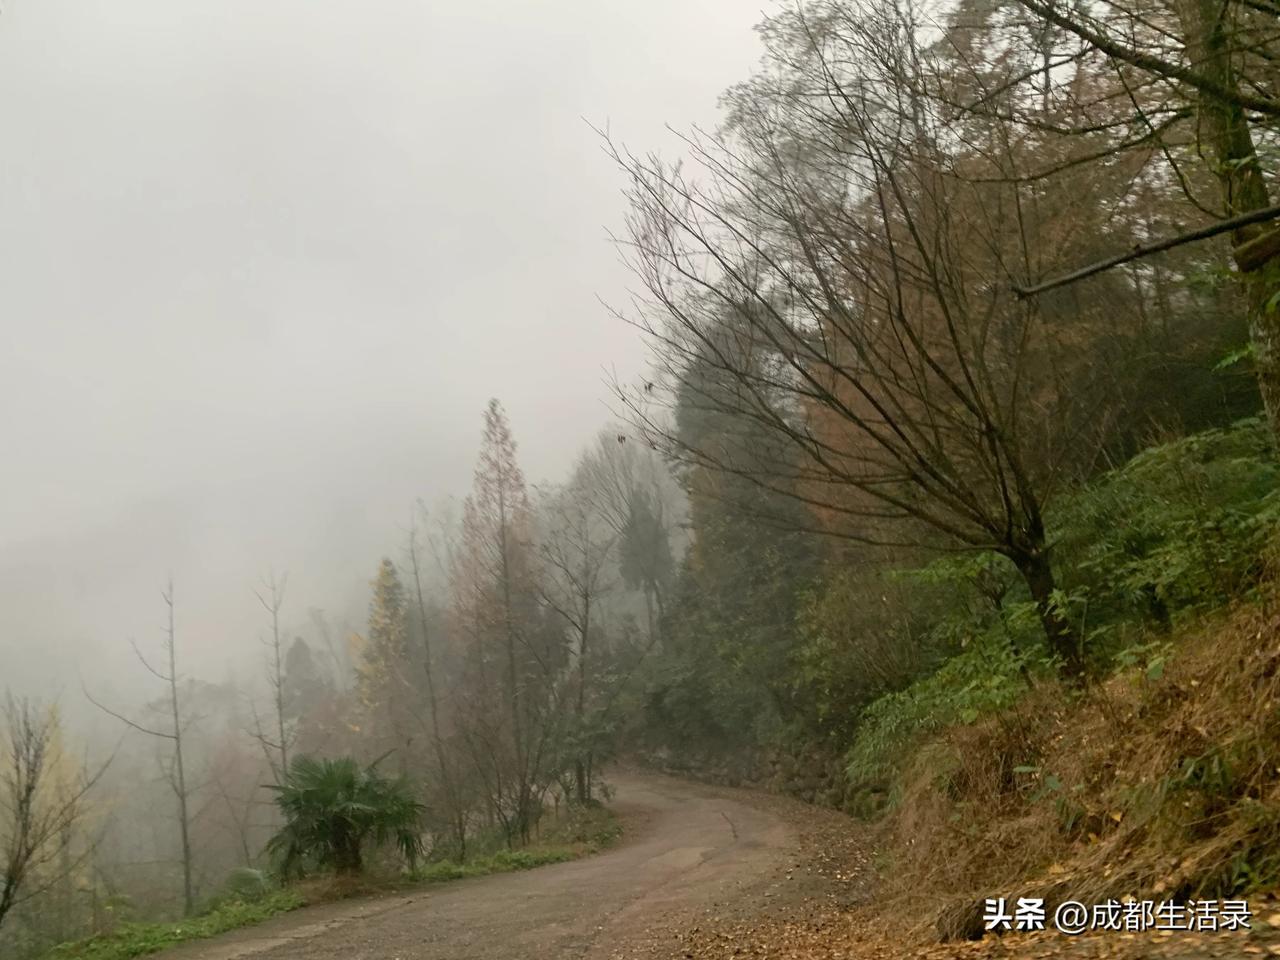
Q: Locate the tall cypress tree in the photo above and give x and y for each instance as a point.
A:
(385, 668)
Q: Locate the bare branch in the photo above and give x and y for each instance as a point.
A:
(1147, 249)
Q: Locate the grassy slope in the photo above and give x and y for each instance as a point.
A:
(1161, 782)
(139, 939)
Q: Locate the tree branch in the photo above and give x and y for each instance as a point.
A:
(1146, 249)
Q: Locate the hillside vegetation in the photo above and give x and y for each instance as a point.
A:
(948, 497)
(1159, 778)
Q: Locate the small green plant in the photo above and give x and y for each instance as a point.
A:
(987, 676)
(587, 831)
(1209, 773)
(333, 809)
(1042, 785)
(1151, 657)
(246, 885)
(1180, 527)
(504, 861)
(139, 939)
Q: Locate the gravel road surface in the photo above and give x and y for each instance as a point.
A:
(689, 853)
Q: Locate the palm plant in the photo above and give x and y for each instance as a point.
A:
(333, 808)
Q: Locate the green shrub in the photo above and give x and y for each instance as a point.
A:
(1181, 527)
(246, 885)
(987, 676)
(504, 861)
(861, 633)
(333, 809)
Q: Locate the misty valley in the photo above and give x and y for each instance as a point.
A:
(671, 482)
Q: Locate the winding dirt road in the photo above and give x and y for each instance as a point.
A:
(688, 852)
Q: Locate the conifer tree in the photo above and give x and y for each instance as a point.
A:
(515, 650)
(383, 675)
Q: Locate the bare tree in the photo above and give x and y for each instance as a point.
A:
(239, 812)
(37, 812)
(448, 778)
(271, 596)
(633, 491)
(576, 550)
(175, 772)
(830, 280)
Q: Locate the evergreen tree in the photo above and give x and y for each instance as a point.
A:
(304, 682)
(515, 648)
(385, 668)
(644, 557)
(732, 624)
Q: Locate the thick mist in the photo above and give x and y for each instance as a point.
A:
(262, 266)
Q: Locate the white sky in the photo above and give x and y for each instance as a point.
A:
(262, 263)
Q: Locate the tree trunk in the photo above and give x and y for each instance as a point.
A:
(347, 859)
(446, 780)
(180, 783)
(1037, 571)
(1226, 127)
(513, 680)
(579, 765)
(278, 681)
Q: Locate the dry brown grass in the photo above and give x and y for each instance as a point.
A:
(1167, 788)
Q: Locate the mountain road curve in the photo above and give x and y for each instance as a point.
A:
(688, 851)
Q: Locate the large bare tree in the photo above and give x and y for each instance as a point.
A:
(275, 744)
(450, 786)
(173, 733)
(576, 550)
(832, 272)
